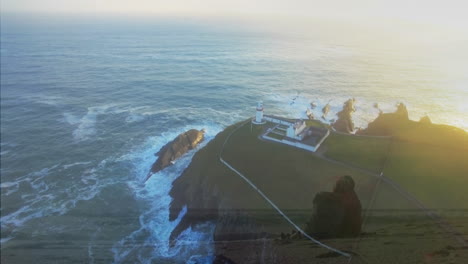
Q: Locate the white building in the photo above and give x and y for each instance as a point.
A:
(289, 131)
(259, 114)
(295, 130)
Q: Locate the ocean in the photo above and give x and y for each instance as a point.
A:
(85, 104)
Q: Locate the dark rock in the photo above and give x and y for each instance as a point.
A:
(377, 106)
(400, 127)
(325, 110)
(309, 114)
(387, 123)
(402, 111)
(425, 120)
(337, 213)
(345, 123)
(176, 148)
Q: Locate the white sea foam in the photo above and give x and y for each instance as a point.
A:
(90, 246)
(71, 119)
(4, 240)
(49, 197)
(9, 190)
(86, 125)
(133, 118)
(67, 166)
(8, 184)
(295, 106)
(197, 239)
(155, 221)
(47, 99)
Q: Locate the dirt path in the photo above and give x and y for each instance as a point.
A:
(381, 178)
(273, 204)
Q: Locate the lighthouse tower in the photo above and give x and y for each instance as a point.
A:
(259, 115)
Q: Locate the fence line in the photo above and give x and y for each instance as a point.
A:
(273, 204)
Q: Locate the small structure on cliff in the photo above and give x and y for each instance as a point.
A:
(293, 132)
(296, 130)
(258, 120)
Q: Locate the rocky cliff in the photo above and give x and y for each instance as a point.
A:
(345, 123)
(247, 227)
(173, 150)
(208, 190)
(399, 125)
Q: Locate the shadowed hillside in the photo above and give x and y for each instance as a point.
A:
(292, 177)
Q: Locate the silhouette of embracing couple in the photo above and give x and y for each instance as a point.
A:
(337, 213)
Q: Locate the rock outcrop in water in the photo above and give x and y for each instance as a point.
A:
(425, 120)
(337, 213)
(386, 123)
(399, 126)
(402, 111)
(309, 114)
(345, 123)
(173, 150)
(325, 110)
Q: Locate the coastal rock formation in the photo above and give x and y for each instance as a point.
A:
(309, 114)
(344, 123)
(402, 111)
(386, 123)
(337, 213)
(399, 126)
(425, 120)
(325, 110)
(175, 149)
(377, 106)
(207, 191)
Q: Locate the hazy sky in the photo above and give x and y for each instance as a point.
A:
(438, 11)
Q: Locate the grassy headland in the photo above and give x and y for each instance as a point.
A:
(290, 177)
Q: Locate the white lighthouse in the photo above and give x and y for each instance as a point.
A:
(259, 114)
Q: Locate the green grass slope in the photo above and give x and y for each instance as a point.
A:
(364, 152)
(429, 161)
(292, 177)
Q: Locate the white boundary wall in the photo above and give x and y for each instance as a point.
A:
(277, 121)
(298, 144)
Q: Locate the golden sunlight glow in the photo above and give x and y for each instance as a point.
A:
(450, 11)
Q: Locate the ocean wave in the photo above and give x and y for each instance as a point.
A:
(71, 119)
(43, 195)
(67, 166)
(4, 240)
(46, 99)
(150, 241)
(86, 125)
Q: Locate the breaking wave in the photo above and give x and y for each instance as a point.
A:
(42, 195)
(150, 242)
